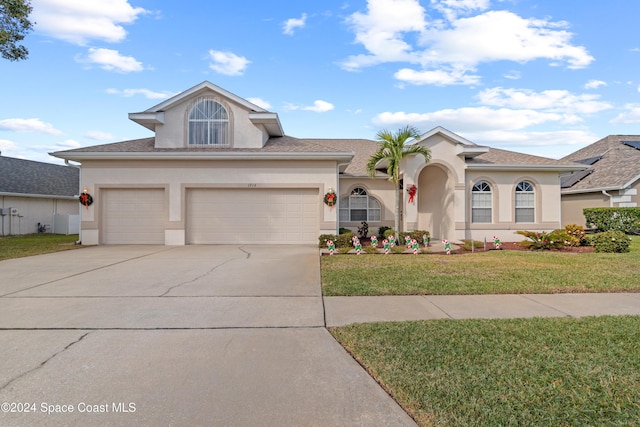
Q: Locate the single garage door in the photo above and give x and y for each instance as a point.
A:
(133, 216)
(252, 215)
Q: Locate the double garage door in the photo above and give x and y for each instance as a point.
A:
(252, 215)
(213, 216)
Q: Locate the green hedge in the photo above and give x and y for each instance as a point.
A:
(341, 240)
(626, 220)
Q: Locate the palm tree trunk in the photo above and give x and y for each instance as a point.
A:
(397, 214)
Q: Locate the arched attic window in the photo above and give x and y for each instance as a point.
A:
(481, 202)
(359, 206)
(208, 124)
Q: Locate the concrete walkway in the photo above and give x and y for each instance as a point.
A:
(340, 311)
(209, 335)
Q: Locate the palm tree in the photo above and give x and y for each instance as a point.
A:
(393, 150)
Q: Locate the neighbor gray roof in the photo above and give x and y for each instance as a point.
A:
(19, 176)
(612, 165)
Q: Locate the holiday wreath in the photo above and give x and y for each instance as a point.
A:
(330, 199)
(85, 199)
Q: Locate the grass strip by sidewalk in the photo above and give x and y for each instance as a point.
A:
(35, 244)
(506, 372)
(494, 272)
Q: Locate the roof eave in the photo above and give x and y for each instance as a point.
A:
(147, 119)
(225, 155)
(270, 121)
(545, 168)
(37, 196)
(590, 190)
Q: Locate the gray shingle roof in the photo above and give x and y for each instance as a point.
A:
(496, 156)
(618, 165)
(29, 177)
(363, 149)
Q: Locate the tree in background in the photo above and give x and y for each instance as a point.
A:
(392, 150)
(14, 25)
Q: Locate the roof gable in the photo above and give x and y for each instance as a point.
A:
(153, 116)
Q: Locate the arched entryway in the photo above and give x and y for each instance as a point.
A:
(436, 207)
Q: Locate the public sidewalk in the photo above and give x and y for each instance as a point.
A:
(340, 311)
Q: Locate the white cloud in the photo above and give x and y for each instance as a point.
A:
(228, 63)
(436, 77)
(290, 25)
(381, 31)
(594, 84)
(79, 21)
(260, 103)
(469, 119)
(149, 94)
(112, 60)
(628, 117)
(6, 145)
(99, 135)
(549, 100)
(28, 125)
(388, 29)
(319, 106)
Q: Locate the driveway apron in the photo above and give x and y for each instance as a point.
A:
(190, 335)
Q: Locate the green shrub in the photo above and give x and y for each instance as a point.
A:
(343, 230)
(340, 240)
(390, 232)
(370, 250)
(382, 230)
(541, 240)
(577, 235)
(416, 234)
(466, 244)
(610, 241)
(626, 220)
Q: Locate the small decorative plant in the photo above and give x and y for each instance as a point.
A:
(541, 240)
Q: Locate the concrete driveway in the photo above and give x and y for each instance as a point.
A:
(192, 335)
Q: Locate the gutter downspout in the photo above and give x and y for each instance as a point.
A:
(338, 195)
(609, 196)
(66, 162)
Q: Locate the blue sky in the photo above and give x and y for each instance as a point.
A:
(544, 77)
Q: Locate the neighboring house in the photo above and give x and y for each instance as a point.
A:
(221, 170)
(33, 193)
(611, 177)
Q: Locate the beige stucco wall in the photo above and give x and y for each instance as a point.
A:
(34, 210)
(573, 204)
(176, 176)
(381, 189)
(503, 184)
(244, 134)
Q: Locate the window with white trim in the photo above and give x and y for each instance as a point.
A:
(208, 124)
(481, 202)
(525, 202)
(359, 206)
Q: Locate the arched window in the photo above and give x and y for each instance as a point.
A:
(525, 202)
(481, 202)
(359, 206)
(208, 124)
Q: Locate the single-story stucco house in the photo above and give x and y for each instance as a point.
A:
(220, 169)
(33, 193)
(611, 177)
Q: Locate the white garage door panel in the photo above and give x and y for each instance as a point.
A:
(133, 216)
(252, 216)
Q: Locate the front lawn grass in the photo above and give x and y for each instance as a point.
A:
(492, 272)
(518, 372)
(35, 244)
